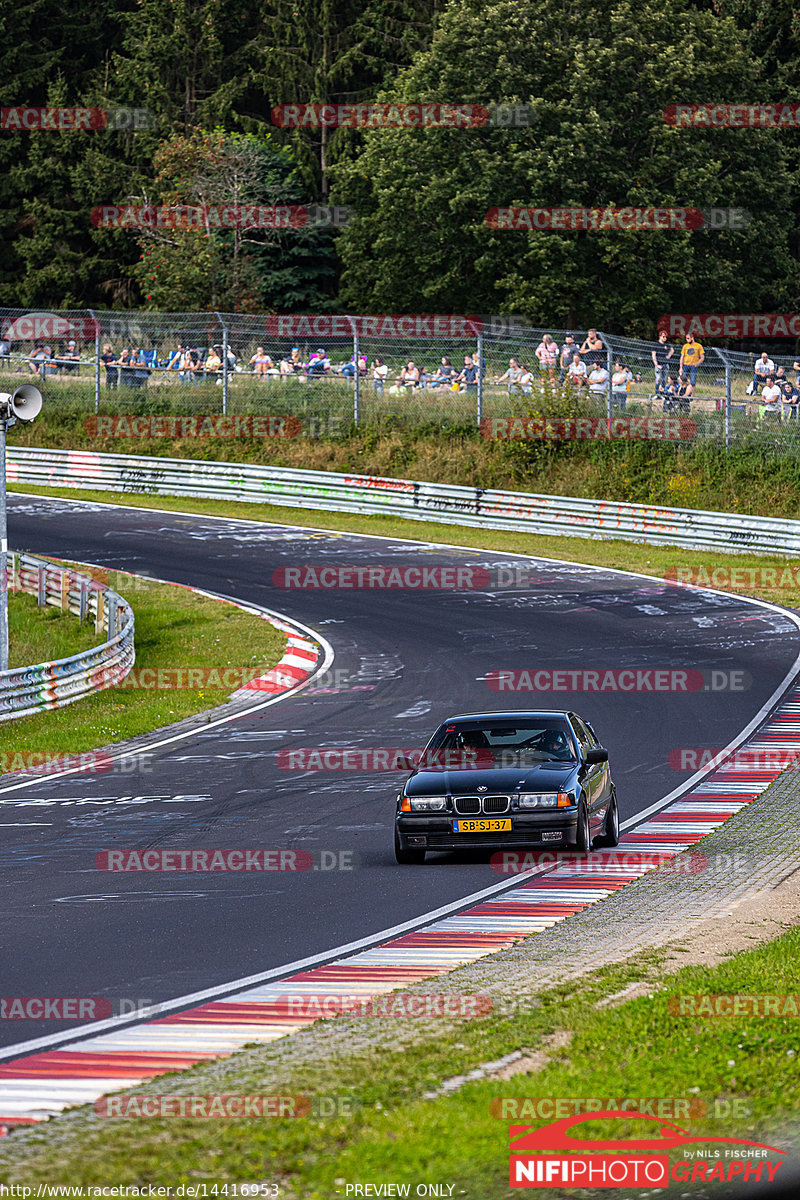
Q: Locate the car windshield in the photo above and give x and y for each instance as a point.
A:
(500, 744)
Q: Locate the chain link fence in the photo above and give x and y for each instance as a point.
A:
(511, 380)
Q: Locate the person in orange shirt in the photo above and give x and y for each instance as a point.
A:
(692, 356)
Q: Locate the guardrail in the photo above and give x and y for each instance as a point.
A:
(562, 516)
(26, 690)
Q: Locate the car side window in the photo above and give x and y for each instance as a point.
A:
(583, 735)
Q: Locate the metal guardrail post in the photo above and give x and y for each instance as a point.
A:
(480, 378)
(356, 380)
(609, 389)
(41, 590)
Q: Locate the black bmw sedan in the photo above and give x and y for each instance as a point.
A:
(508, 779)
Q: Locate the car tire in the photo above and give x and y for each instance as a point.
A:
(610, 836)
(407, 856)
(583, 841)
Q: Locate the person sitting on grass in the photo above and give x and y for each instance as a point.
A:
(468, 377)
(790, 400)
(770, 397)
(409, 375)
(444, 373)
(213, 363)
(261, 361)
(598, 380)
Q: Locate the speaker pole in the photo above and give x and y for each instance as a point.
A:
(22, 405)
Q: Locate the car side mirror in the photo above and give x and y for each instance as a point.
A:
(597, 755)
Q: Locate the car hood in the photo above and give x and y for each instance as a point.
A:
(547, 777)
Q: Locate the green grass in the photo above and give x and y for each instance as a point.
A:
(636, 1049)
(175, 628)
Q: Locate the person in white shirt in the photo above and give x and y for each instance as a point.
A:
(770, 395)
(598, 380)
(763, 369)
(619, 385)
(379, 373)
(526, 380)
(576, 371)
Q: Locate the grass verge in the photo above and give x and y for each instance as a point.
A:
(724, 1076)
(176, 630)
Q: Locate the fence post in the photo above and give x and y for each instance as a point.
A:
(728, 437)
(97, 332)
(224, 365)
(609, 392)
(356, 380)
(480, 378)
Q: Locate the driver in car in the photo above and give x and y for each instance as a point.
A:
(556, 744)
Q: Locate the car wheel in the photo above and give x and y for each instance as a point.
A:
(611, 828)
(583, 842)
(407, 856)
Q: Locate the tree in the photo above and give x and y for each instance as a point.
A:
(236, 268)
(598, 83)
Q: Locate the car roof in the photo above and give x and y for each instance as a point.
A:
(505, 715)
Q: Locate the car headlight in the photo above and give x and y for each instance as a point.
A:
(544, 800)
(423, 803)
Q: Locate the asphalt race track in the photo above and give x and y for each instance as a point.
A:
(405, 659)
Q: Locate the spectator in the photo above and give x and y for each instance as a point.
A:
(213, 364)
(468, 377)
(109, 361)
(424, 377)
(5, 351)
(139, 377)
(379, 373)
(592, 351)
(261, 361)
(661, 356)
(444, 374)
(187, 365)
(348, 370)
(319, 364)
(526, 380)
(692, 356)
(511, 376)
(670, 394)
(37, 361)
(577, 375)
(764, 367)
(790, 401)
(619, 385)
(174, 360)
(598, 380)
(547, 354)
(409, 376)
(567, 351)
(770, 396)
(68, 361)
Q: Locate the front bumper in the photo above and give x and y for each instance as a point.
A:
(435, 832)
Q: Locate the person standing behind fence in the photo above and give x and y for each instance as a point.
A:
(379, 373)
(619, 386)
(567, 350)
(692, 356)
(661, 356)
(511, 377)
(468, 377)
(592, 350)
(547, 354)
(109, 361)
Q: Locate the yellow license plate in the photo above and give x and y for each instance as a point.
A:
(495, 825)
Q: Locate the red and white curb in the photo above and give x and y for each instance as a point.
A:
(39, 1085)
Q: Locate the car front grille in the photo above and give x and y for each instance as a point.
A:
(469, 806)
